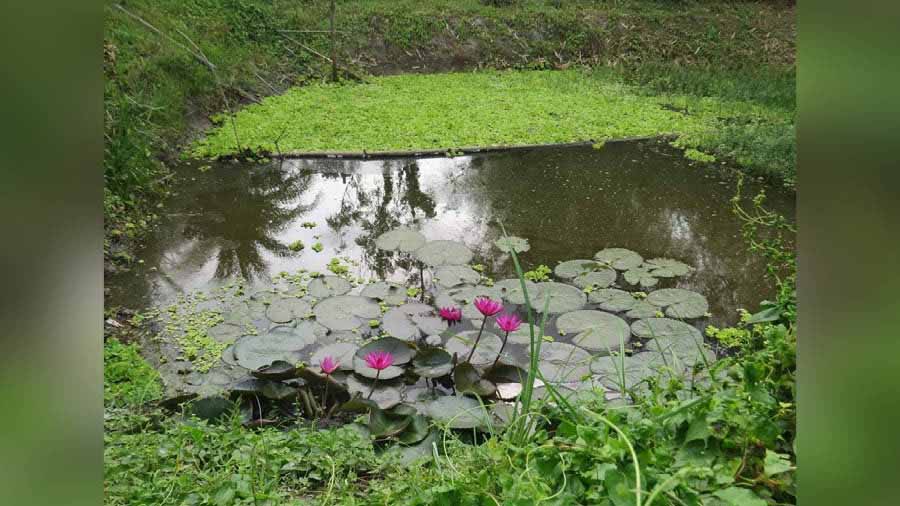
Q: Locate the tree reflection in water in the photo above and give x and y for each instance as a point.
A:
(377, 208)
(239, 217)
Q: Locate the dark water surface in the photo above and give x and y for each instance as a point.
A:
(237, 219)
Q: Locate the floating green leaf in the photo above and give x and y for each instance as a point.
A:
(432, 363)
(511, 290)
(563, 298)
(601, 278)
(449, 276)
(342, 353)
(620, 259)
(512, 243)
(441, 252)
(457, 412)
(346, 312)
(401, 239)
(281, 343)
(485, 353)
(571, 269)
(612, 299)
(410, 322)
(286, 309)
(328, 286)
(679, 303)
(596, 330)
(640, 275)
(389, 293)
(276, 371)
(468, 381)
(667, 268)
(210, 408)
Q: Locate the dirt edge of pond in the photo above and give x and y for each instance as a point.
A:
(468, 150)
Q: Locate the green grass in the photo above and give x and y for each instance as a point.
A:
(507, 108)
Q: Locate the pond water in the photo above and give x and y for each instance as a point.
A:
(239, 219)
(237, 293)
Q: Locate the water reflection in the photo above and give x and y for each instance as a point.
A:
(237, 220)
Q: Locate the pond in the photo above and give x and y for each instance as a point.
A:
(239, 219)
(285, 262)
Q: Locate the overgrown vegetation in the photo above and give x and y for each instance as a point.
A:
(158, 92)
(443, 111)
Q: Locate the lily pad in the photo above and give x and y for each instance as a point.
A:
(485, 353)
(511, 290)
(608, 370)
(261, 387)
(346, 312)
(286, 309)
(401, 351)
(597, 279)
(512, 243)
(679, 303)
(384, 396)
(596, 330)
(432, 363)
(328, 286)
(571, 269)
(362, 368)
(276, 371)
(448, 276)
(612, 299)
(664, 328)
(282, 343)
(383, 425)
(210, 408)
(389, 293)
(468, 381)
(640, 275)
(464, 296)
(226, 332)
(441, 252)
(342, 353)
(620, 259)
(667, 268)
(457, 412)
(416, 431)
(563, 298)
(422, 450)
(410, 322)
(403, 239)
(563, 362)
(509, 391)
(642, 309)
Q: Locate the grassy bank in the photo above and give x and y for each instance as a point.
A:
(454, 110)
(158, 93)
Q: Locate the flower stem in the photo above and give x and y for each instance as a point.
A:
(483, 322)
(325, 395)
(372, 391)
(422, 281)
(505, 338)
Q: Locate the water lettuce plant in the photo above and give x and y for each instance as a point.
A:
(456, 110)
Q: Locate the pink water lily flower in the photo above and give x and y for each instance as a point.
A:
(487, 306)
(451, 314)
(328, 365)
(379, 360)
(509, 322)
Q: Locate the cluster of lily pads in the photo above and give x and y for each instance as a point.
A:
(457, 357)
